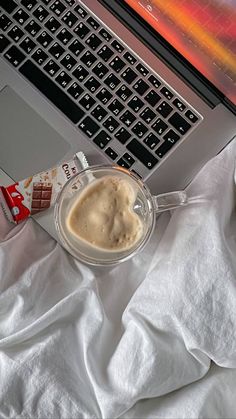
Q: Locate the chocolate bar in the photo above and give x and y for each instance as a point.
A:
(41, 197)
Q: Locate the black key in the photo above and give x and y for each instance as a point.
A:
(159, 126)
(124, 92)
(142, 154)
(117, 64)
(127, 118)
(105, 34)
(88, 59)
(69, 19)
(179, 123)
(135, 104)
(51, 67)
(75, 90)
(80, 11)
(142, 70)
(57, 7)
(99, 113)
(111, 153)
(14, 56)
(8, 5)
(110, 124)
(64, 36)
(129, 75)
(102, 139)
(117, 46)
(32, 27)
(170, 139)
(15, 33)
(167, 93)
(29, 4)
(105, 53)
(48, 87)
(112, 81)
(41, 13)
(4, 42)
(164, 109)
(63, 79)
(27, 45)
(56, 50)
(104, 95)
(80, 73)
(46, 1)
(139, 129)
(93, 41)
(92, 84)
(171, 136)
(52, 24)
(130, 160)
(76, 47)
(44, 39)
(69, 2)
(5, 22)
(68, 61)
(152, 98)
(151, 141)
(155, 82)
(123, 163)
(191, 116)
(92, 22)
(141, 87)
(89, 126)
(87, 101)
(147, 115)
(100, 70)
(130, 58)
(122, 135)
(40, 56)
(21, 16)
(81, 30)
(116, 107)
(179, 105)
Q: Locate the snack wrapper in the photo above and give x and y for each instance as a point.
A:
(38, 192)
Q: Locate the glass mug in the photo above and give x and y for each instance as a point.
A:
(146, 206)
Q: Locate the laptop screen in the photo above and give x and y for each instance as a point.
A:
(204, 32)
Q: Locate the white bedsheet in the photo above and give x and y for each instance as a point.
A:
(152, 338)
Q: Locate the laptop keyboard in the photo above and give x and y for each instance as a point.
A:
(94, 80)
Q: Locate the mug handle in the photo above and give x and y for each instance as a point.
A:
(172, 200)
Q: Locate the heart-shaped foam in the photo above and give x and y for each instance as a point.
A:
(103, 215)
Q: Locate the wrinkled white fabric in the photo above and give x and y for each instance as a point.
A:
(151, 338)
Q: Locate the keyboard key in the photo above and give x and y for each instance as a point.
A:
(111, 153)
(135, 104)
(102, 139)
(14, 56)
(52, 24)
(92, 84)
(142, 154)
(151, 141)
(57, 7)
(129, 159)
(105, 34)
(147, 115)
(29, 4)
(69, 2)
(129, 75)
(123, 163)
(179, 123)
(76, 47)
(5, 22)
(69, 19)
(64, 36)
(27, 45)
(8, 5)
(152, 98)
(122, 135)
(159, 126)
(51, 68)
(179, 105)
(32, 27)
(112, 81)
(130, 58)
(170, 139)
(191, 116)
(52, 91)
(99, 113)
(164, 109)
(4, 42)
(68, 61)
(56, 50)
(139, 129)
(127, 118)
(87, 101)
(89, 126)
(75, 90)
(81, 30)
(21, 16)
(93, 41)
(46, 1)
(88, 59)
(167, 93)
(41, 13)
(105, 53)
(81, 12)
(124, 92)
(92, 22)
(110, 124)
(142, 70)
(117, 64)
(63, 79)
(100, 70)
(80, 73)
(44, 39)
(141, 87)
(15, 33)
(171, 136)
(104, 95)
(155, 82)
(39, 56)
(117, 46)
(116, 107)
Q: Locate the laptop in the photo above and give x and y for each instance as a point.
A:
(149, 85)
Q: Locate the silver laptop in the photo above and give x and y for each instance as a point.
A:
(145, 84)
